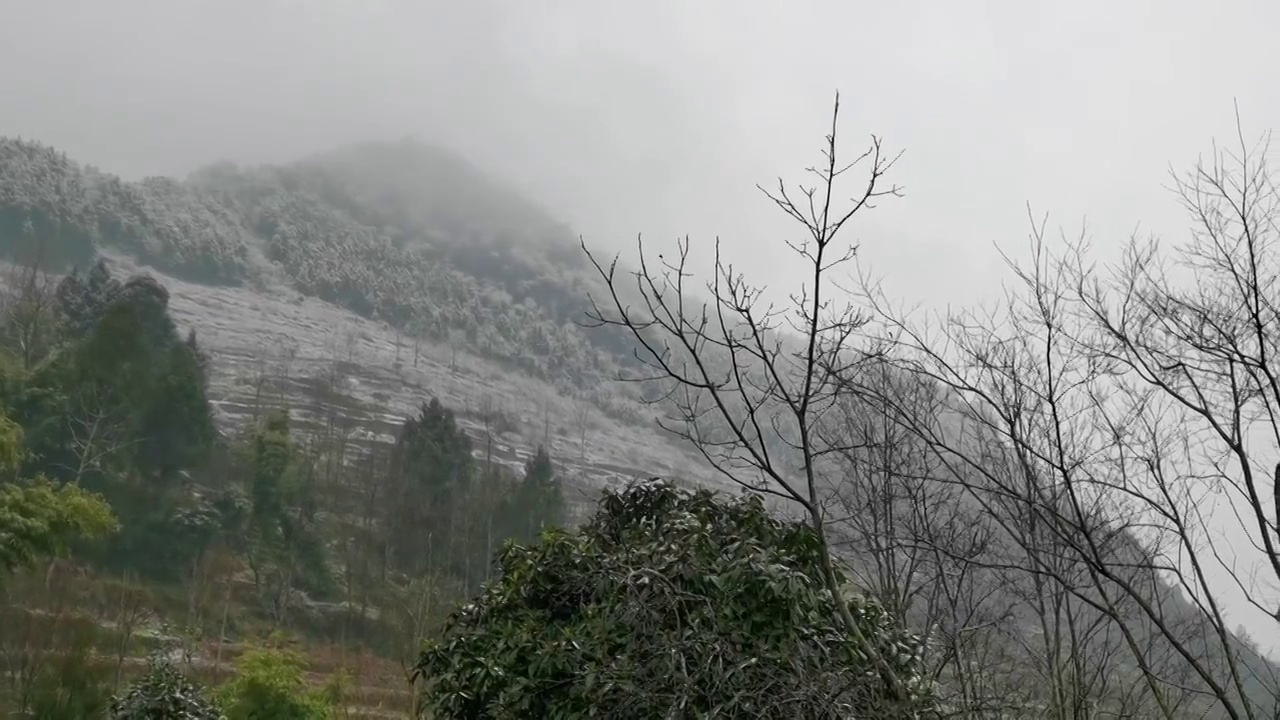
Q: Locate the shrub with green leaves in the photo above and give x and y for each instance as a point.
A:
(38, 518)
(669, 603)
(164, 693)
(272, 684)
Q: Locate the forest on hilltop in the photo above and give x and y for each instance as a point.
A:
(399, 232)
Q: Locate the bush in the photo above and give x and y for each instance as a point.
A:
(668, 604)
(164, 693)
(271, 684)
(69, 684)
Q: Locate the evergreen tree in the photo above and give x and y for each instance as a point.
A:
(123, 410)
(432, 468)
(130, 367)
(669, 603)
(435, 451)
(82, 300)
(538, 501)
(177, 426)
(271, 463)
(164, 693)
(283, 547)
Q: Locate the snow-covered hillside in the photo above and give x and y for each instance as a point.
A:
(269, 345)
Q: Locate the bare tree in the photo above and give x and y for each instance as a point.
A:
(96, 434)
(545, 407)
(132, 611)
(582, 419)
(259, 379)
(418, 329)
(913, 544)
(456, 337)
(1116, 421)
(351, 343)
(749, 401)
(28, 301)
(886, 496)
(487, 412)
(286, 361)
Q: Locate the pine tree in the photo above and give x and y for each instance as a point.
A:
(432, 469)
(539, 498)
(177, 426)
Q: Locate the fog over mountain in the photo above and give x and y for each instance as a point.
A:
(661, 117)
(283, 121)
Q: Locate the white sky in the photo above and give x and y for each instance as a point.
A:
(661, 116)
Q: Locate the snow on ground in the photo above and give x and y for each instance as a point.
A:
(323, 358)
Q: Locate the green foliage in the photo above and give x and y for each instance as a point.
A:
(121, 408)
(71, 687)
(82, 300)
(271, 465)
(431, 470)
(176, 426)
(271, 684)
(433, 452)
(41, 519)
(283, 545)
(128, 391)
(538, 500)
(164, 693)
(10, 447)
(668, 603)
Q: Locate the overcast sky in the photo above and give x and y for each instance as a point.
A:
(661, 116)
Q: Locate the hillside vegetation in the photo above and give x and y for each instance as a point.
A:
(401, 232)
(230, 536)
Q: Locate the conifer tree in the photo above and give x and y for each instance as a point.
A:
(539, 499)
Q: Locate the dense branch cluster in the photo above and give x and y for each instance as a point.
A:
(1050, 483)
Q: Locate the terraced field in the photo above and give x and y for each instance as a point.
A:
(270, 346)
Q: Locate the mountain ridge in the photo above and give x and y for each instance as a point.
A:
(324, 227)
